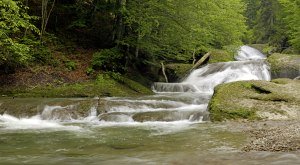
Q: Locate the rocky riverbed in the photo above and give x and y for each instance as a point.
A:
(272, 136)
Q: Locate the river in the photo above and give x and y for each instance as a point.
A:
(170, 127)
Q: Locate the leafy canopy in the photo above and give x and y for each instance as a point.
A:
(14, 24)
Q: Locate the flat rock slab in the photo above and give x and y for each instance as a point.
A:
(254, 100)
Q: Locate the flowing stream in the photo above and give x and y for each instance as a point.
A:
(170, 127)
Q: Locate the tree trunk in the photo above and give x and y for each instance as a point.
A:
(194, 58)
(201, 60)
(119, 25)
(164, 72)
(137, 47)
(45, 16)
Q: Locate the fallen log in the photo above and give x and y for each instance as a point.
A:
(202, 59)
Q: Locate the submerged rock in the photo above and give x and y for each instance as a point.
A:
(57, 109)
(162, 116)
(284, 65)
(252, 100)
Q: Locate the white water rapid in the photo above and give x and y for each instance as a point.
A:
(174, 104)
(250, 66)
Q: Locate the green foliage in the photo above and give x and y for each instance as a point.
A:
(276, 22)
(108, 60)
(70, 65)
(174, 30)
(292, 19)
(14, 25)
(41, 54)
(89, 71)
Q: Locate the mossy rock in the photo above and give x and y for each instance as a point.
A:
(218, 55)
(176, 71)
(28, 107)
(284, 65)
(254, 100)
(103, 86)
(264, 48)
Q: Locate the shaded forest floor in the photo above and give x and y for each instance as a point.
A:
(66, 72)
(57, 73)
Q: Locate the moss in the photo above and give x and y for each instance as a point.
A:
(281, 81)
(261, 47)
(103, 86)
(222, 109)
(218, 55)
(234, 115)
(248, 99)
(284, 65)
(177, 71)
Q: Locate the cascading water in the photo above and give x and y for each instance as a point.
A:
(201, 82)
(185, 101)
(157, 129)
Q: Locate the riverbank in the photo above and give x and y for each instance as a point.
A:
(67, 72)
(103, 85)
(271, 136)
(281, 136)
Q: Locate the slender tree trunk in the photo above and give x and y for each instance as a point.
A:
(119, 25)
(137, 47)
(194, 58)
(45, 16)
(164, 71)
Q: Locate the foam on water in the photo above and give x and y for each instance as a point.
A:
(179, 104)
(35, 122)
(157, 127)
(211, 75)
(250, 66)
(249, 53)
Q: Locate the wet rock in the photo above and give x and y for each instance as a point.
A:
(284, 65)
(175, 72)
(61, 109)
(163, 116)
(115, 117)
(252, 100)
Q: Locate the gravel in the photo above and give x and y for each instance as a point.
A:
(273, 136)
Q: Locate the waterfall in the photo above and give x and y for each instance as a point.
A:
(173, 103)
(188, 99)
(250, 66)
(249, 53)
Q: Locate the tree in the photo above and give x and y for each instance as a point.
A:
(14, 23)
(265, 20)
(172, 29)
(292, 19)
(45, 16)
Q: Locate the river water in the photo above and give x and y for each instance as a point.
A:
(170, 127)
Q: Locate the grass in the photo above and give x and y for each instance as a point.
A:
(104, 85)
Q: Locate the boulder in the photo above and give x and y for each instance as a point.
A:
(284, 65)
(253, 100)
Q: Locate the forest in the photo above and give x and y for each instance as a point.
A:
(137, 35)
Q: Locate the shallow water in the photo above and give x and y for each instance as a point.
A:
(166, 128)
(94, 142)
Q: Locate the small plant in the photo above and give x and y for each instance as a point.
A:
(70, 65)
(89, 71)
(108, 60)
